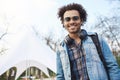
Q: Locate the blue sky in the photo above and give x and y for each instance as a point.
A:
(42, 14)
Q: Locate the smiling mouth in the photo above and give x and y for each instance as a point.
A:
(72, 26)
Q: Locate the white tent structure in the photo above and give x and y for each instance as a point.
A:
(29, 52)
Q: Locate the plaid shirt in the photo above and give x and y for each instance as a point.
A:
(77, 62)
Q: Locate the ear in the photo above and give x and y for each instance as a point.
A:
(81, 23)
(63, 24)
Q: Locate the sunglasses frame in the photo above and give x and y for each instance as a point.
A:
(74, 18)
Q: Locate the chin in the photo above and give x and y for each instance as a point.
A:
(76, 31)
(73, 32)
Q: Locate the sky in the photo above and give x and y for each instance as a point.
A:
(18, 15)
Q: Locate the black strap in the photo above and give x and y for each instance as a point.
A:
(99, 50)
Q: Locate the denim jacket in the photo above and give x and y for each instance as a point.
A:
(94, 65)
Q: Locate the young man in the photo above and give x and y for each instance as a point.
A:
(77, 56)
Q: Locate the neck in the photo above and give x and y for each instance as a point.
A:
(75, 37)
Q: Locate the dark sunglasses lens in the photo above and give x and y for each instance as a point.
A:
(75, 18)
(67, 19)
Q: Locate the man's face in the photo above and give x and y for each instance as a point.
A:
(72, 21)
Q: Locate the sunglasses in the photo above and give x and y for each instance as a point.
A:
(74, 18)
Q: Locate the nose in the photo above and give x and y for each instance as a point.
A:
(71, 22)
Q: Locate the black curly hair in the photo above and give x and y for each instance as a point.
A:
(73, 6)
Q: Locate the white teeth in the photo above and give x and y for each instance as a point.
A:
(72, 26)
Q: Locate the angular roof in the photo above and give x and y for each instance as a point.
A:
(30, 51)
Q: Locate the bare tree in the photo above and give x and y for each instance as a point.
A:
(2, 50)
(110, 28)
(48, 39)
(50, 42)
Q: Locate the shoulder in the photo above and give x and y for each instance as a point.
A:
(91, 33)
(60, 45)
(94, 34)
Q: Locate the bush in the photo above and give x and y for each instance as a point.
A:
(118, 60)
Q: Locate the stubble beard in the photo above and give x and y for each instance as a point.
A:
(75, 32)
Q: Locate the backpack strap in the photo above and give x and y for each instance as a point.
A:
(99, 50)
